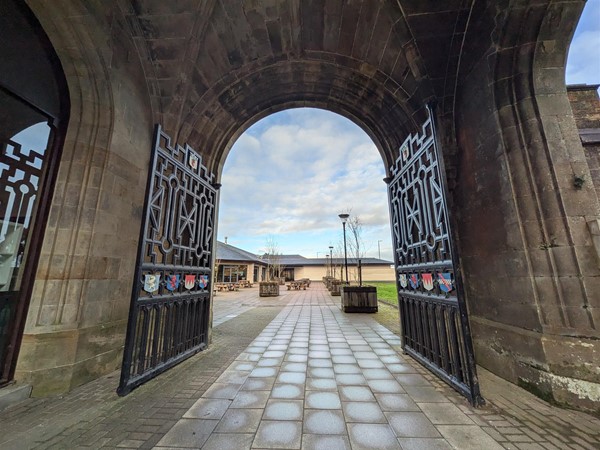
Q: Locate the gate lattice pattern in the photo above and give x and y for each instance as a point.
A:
(432, 314)
(168, 319)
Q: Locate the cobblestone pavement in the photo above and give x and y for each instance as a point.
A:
(297, 374)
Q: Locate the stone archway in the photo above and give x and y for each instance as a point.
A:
(206, 70)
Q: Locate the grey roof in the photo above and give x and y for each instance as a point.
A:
(226, 252)
(299, 260)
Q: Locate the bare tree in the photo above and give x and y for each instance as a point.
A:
(273, 258)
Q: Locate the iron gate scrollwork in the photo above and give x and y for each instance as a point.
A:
(170, 305)
(435, 328)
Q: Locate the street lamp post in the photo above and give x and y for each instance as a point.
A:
(328, 267)
(379, 248)
(331, 269)
(344, 218)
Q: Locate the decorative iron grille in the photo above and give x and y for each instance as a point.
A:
(432, 312)
(170, 306)
(21, 170)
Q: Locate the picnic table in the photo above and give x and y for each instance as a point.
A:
(300, 284)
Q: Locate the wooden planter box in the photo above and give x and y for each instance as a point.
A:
(268, 289)
(361, 299)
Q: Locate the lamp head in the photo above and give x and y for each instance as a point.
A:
(344, 217)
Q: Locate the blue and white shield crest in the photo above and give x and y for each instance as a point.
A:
(445, 281)
(403, 280)
(414, 280)
(151, 282)
(203, 281)
(173, 282)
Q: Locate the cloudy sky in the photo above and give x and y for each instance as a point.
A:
(288, 176)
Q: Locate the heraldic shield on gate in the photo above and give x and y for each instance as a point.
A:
(170, 304)
(435, 328)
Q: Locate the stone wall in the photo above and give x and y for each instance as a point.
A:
(79, 307)
(531, 270)
(586, 110)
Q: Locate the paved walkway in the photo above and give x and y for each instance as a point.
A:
(296, 374)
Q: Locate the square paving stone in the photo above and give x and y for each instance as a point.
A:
(284, 410)
(339, 349)
(321, 372)
(401, 368)
(343, 359)
(222, 390)
(365, 355)
(293, 367)
(412, 379)
(411, 424)
(250, 399)
(324, 384)
(347, 368)
(258, 384)
(274, 354)
(319, 347)
(393, 359)
(298, 351)
(445, 413)
(269, 362)
(396, 402)
(278, 434)
(291, 377)
(243, 366)
(320, 442)
(239, 421)
(377, 374)
(288, 391)
(323, 400)
(424, 444)
(364, 412)
(425, 394)
(370, 364)
(296, 358)
(226, 441)
(233, 377)
(319, 354)
(369, 436)
(208, 408)
(350, 379)
(385, 386)
(326, 421)
(356, 394)
(320, 363)
(468, 437)
(264, 372)
(188, 433)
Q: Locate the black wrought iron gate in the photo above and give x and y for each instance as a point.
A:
(170, 304)
(435, 328)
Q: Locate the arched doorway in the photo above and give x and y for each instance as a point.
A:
(33, 116)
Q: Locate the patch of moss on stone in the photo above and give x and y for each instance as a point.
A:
(536, 390)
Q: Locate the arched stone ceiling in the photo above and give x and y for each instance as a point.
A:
(215, 66)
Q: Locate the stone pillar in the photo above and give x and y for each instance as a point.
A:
(78, 313)
(531, 271)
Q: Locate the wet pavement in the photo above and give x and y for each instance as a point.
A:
(295, 372)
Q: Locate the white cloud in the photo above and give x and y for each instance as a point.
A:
(290, 175)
